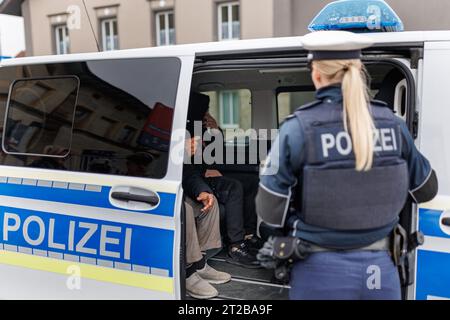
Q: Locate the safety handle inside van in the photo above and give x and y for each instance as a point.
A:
(126, 196)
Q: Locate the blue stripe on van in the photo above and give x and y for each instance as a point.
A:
(432, 279)
(429, 223)
(119, 244)
(81, 197)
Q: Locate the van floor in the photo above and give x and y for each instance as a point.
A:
(247, 284)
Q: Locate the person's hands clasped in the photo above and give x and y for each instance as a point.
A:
(207, 199)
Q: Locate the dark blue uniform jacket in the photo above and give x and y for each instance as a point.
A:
(286, 157)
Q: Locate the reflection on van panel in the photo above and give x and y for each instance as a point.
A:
(91, 117)
(41, 111)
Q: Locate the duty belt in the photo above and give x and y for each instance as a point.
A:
(400, 245)
(289, 250)
(380, 245)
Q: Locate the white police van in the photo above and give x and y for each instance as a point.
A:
(91, 203)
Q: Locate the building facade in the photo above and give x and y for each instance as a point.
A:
(62, 26)
(57, 27)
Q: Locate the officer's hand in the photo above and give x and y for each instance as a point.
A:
(265, 255)
(207, 199)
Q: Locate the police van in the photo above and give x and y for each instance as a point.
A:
(91, 201)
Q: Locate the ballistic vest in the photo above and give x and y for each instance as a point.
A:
(333, 194)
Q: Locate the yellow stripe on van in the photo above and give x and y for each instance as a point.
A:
(121, 277)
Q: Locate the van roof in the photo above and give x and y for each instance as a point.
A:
(225, 47)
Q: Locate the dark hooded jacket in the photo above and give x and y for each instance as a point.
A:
(194, 181)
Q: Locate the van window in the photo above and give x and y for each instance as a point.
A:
(121, 124)
(232, 110)
(289, 101)
(39, 113)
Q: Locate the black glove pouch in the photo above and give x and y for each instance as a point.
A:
(290, 248)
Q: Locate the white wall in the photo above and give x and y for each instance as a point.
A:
(12, 36)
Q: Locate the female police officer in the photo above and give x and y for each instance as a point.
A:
(350, 164)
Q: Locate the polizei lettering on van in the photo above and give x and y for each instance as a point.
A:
(105, 243)
(35, 231)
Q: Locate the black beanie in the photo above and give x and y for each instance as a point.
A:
(198, 107)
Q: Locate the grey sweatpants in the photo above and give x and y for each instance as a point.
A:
(202, 230)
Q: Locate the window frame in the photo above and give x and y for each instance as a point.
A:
(111, 21)
(7, 109)
(230, 6)
(166, 15)
(66, 38)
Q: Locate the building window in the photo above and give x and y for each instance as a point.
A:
(288, 102)
(126, 134)
(229, 24)
(232, 110)
(61, 39)
(165, 28)
(229, 105)
(110, 37)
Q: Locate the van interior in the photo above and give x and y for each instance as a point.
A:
(259, 93)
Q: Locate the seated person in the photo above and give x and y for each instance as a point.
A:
(202, 233)
(250, 185)
(228, 191)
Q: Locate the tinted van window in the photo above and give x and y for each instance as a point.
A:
(121, 124)
(40, 114)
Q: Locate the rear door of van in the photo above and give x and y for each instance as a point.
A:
(433, 258)
(90, 180)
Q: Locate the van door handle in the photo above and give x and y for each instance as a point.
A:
(446, 222)
(126, 196)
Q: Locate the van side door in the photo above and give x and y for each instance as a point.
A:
(90, 184)
(433, 258)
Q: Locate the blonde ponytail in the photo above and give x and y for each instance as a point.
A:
(356, 114)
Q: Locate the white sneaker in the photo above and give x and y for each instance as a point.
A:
(199, 288)
(213, 276)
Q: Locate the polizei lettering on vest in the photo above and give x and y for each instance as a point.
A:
(385, 140)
